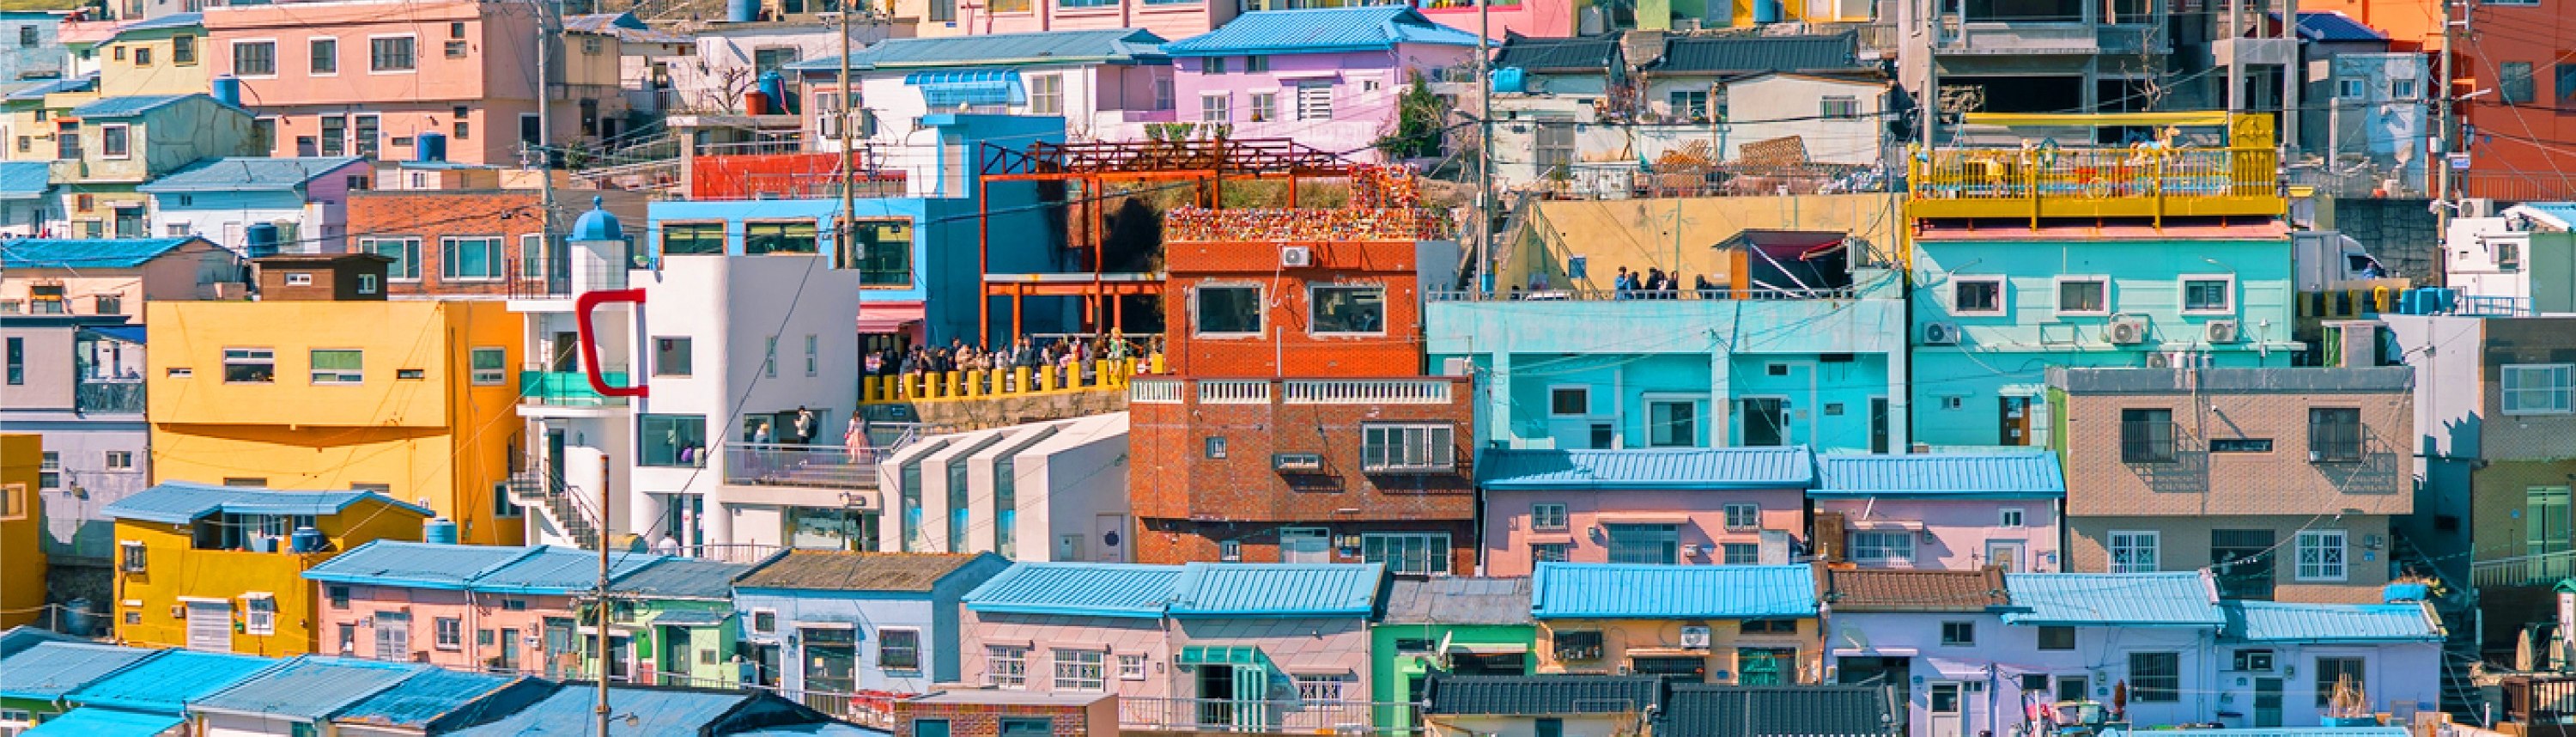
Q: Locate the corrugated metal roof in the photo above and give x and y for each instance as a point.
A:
(684, 578)
(1080, 589)
(97, 721)
(624, 26)
(129, 105)
(169, 682)
(82, 83)
(1851, 590)
(24, 179)
(2561, 214)
(649, 713)
(173, 20)
(2272, 621)
(1953, 475)
(848, 571)
(52, 669)
(1544, 695)
(1586, 54)
(817, 729)
(2177, 599)
(246, 174)
(1716, 710)
(308, 687)
(1001, 49)
(178, 502)
(1320, 31)
(1758, 54)
(2334, 26)
(1616, 591)
(1277, 589)
(553, 570)
(1459, 600)
(435, 695)
(1647, 468)
(419, 565)
(25, 636)
(86, 253)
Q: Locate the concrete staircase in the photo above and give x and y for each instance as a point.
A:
(530, 490)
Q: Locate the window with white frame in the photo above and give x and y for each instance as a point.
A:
(1386, 448)
(404, 251)
(2539, 389)
(393, 54)
(449, 633)
(2009, 517)
(2133, 551)
(1264, 107)
(475, 258)
(2083, 295)
(2208, 294)
(1976, 295)
(1407, 552)
(1216, 107)
(1547, 516)
(2321, 556)
(1314, 689)
(1046, 94)
(250, 365)
(1882, 547)
(1081, 670)
(114, 141)
(338, 366)
(254, 58)
(1346, 310)
(259, 615)
(899, 649)
(1131, 667)
(1742, 517)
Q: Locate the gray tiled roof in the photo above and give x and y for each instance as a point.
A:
(1713, 710)
(1759, 54)
(1453, 600)
(848, 571)
(1589, 53)
(1542, 695)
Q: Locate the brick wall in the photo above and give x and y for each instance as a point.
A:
(2183, 544)
(431, 215)
(1287, 339)
(2202, 482)
(985, 720)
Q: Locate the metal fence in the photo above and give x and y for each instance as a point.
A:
(789, 464)
(1265, 717)
(1604, 295)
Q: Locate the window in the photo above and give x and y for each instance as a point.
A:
(1839, 108)
(1213, 108)
(1080, 670)
(338, 366)
(1740, 554)
(1396, 448)
(2350, 88)
(108, 304)
(67, 146)
(2334, 671)
(1569, 401)
(1765, 666)
(2083, 296)
(1131, 667)
(1672, 423)
(259, 615)
(28, 36)
(1549, 552)
(693, 238)
(475, 258)
(1321, 688)
(769, 357)
(1025, 727)
(1347, 310)
(390, 54)
(2056, 638)
(1212, 65)
(780, 237)
(2155, 678)
(1407, 552)
(1229, 550)
(120, 460)
(447, 633)
(2146, 436)
(1743, 517)
(17, 361)
(885, 253)
(404, 251)
(2334, 434)
(254, 58)
(922, 727)
(2404, 89)
(2202, 294)
(339, 596)
(113, 142)
(335, 135)
(2321, 555)
(2240, 445)
(326, 56)
(13, 501)
(132, 556)
(532, 256)
(2539, 389)
(1577, 645)
(2009, 517)
(813, 355)
(250, 365)
(1046, 94)
(1977, 296)
(672, 440)
(2513, 83)
(764, 622)
(1264, 106)
(1547, 517)
(671, 357)
(50, 470)
(899, 649)
(1256, 64)
(1882, 547)
(489, 366)
(1227, 310)
(2134, 552)
(1646, 544)
(1958, 634)
(1314, 101)
(1164, 95)
(1688, 104)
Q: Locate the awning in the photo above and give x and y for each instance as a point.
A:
(91, 721)
(1886, 524)
(127, 333)
(688, 618)
(880, 319)
(1223, 655)
(948, 89)
(2192, 118)
(1487, 648)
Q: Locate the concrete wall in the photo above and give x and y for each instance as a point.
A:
(2100, 656)
(2184, 544)
(1300, 646)
(2400, 232)
(1959, 530)
(1507, 534)
(1041, 635)
(1676, 235)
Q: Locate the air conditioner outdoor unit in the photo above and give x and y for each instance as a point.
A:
(2477, 207)
(2223, 331)
(1940, 333)
(1455, 366)
(1293, 257)
(2127, 331)
(1695, 638)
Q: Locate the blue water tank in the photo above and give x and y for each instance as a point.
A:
(429, 146)
(226, 89)
(440, 531)
(76, 617)
(307, 540)
(1766, 11)
(775, 85)
(1510, 80)
(742, 11)
(2445, 300)
(261, 239)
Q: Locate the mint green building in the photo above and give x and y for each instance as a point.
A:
(1466, 626)
(682, 622)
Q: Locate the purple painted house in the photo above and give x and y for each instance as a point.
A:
(1940, 511)
(1330, 78)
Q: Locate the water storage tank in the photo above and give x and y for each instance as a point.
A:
(429, 146)
(76, 618)
(440, 531)
(742, 11)
(1509, 80)
(755, 102)
(260, 239)
(226, 89)
(307, 540)
(1766, 11)
(775, 85)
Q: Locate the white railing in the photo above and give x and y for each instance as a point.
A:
(1154, 391)
(1362, 391)
(1231, 391)
(2527, 570)
(1264, 717)
(734, 553)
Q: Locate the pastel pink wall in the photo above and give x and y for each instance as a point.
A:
(477, 612)
(1960, 529)
(1300, 646)
(1534, 18)
(1700, 512)
(1172, 21)
(1366, 87)
(1042, 633)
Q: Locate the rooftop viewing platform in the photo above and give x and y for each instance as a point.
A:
(2234, 171)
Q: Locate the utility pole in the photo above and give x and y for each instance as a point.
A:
(849, 243)
(549, 30)
(1485, 147)
(1930, 101)
(600, 607)
(2445, 139)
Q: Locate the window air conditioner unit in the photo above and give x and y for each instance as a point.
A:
(1940, 333)
(1293, 257)
(2223, 331)
(1695, 638)
(1296, 461)
(2127, 331)
(1690, 551)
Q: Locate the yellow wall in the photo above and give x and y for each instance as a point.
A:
(119, 77)
(439, 440)
(173, 568)
(1640, 234)
(22, 521)
(1625, 638)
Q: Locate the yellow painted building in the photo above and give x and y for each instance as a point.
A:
(1750, 625)
(162, 56)
(216, 568)
(415, 399)
(22, 525)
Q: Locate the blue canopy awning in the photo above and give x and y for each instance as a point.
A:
(94, 721)
(945, 89)
(127, 333)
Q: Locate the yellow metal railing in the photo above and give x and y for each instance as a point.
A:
(2148, 180)
(1018, 381)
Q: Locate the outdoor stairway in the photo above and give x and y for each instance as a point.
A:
(2457, 605)
(532, 492)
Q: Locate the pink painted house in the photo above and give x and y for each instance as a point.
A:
(368, 78)
(1531, 18)
(1330, 78)
(1165, 18)
(463, 606)
(1940, 511)
(1670, 506)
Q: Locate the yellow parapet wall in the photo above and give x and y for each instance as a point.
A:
(939, 386)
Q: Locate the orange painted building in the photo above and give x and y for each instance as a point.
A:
(2516, 68)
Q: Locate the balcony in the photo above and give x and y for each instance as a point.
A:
(108, 396)
(1023, 381)
(2543, 569)
(801, 466)
(2021, 37)
(541, 388)
(1142, 714)
(2036, 183)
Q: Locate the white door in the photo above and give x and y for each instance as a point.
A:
(210, 626)
(1304, 545)
(2006, 553)
(1945, 708)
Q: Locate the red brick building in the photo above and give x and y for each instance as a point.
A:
(469, 242)
(971, 712)
(1298, 423)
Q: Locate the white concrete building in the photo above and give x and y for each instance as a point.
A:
(2501, 268)
(1046, 491)
(1107, 84)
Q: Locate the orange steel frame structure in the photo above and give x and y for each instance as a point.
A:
(1204, 164)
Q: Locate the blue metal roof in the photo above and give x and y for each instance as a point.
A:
(1647, 468)
(163, 23)
(598, 224)
(1951, 475)
(1621, 591)
(2563, 212)
(2331, 25)
(24, 179)
(309, 687)
(1320, 31)
(418, 565)
(104, 722)
(82, 83)
(552, 570)
(1110, 45)
(1081, 589)
(435, 694)
(129, 105)
(1276, 589)
(2272, 621)
(26, 636)
(179, 502)
(646, 712)
(86, 253)
(2178, 599)
(246, 174)
(49, 670)
(167, 683)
